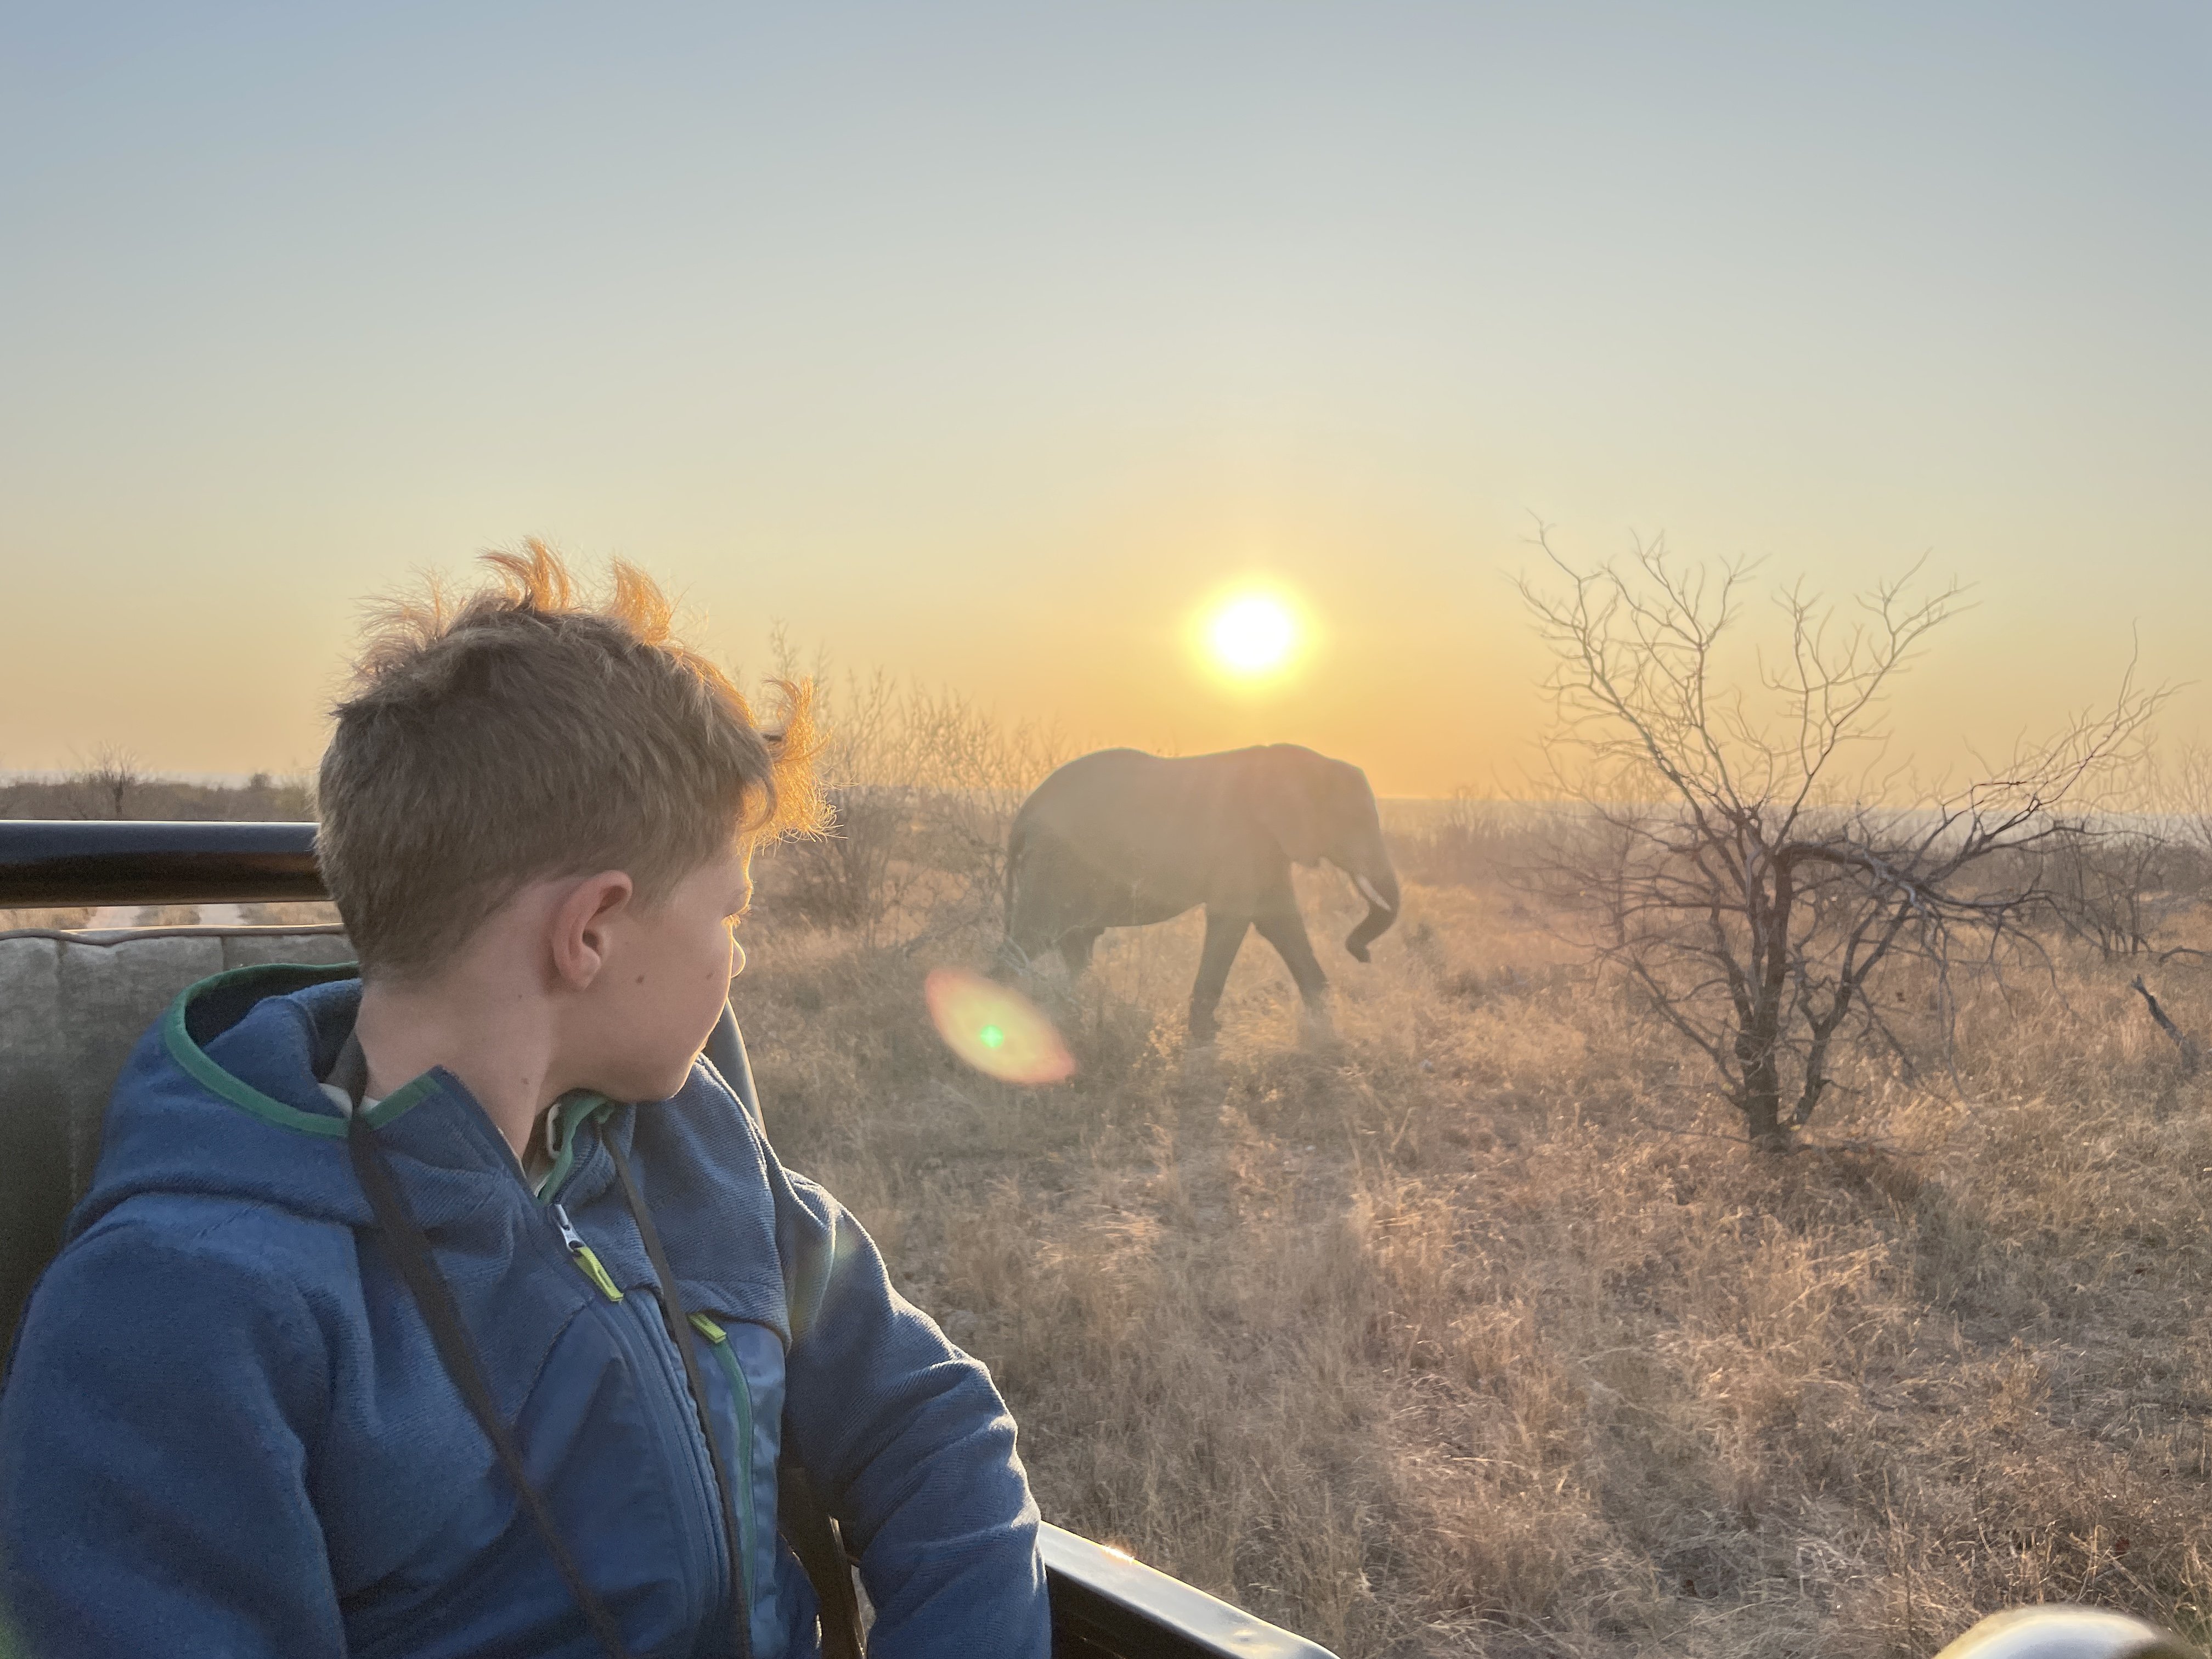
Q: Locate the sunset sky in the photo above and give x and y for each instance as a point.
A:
(989, 344)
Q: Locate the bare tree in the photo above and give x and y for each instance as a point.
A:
(2182, 803)
(2117, 883)
(1753, 863)
(919, 787)
(2185, 799)
(2119, 879)
(971, 772)
(103, 787)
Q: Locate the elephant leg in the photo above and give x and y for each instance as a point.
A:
(1075, 949)
(1287, 932)
(1224, 934)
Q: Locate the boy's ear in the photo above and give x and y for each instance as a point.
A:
(580, 925)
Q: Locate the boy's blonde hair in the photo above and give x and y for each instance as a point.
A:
(522, 733)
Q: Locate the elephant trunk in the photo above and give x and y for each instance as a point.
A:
(1380, 889)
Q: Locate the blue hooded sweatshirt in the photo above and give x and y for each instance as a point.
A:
(226, 1432)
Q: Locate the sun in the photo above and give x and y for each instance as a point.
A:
(1250, 635)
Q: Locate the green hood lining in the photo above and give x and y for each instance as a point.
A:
(568, 1113)
(177, 1038)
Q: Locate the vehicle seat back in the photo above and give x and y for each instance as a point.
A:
(72, 1006)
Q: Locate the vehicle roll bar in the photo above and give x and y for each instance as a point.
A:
(71, 861)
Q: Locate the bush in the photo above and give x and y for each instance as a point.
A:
(922, 786)
(1467, 841)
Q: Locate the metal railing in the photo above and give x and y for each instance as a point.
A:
(70, 861)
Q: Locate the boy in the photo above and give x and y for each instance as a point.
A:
(393, 1325)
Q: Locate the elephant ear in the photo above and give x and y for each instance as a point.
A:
(1282, 802)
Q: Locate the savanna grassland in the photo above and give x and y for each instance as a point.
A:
(1476, 1331)
(1473, 1333)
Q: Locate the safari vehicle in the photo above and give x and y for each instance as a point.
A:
(74, 1002)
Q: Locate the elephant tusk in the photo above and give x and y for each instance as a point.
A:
(1367, 891)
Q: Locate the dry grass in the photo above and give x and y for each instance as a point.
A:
(1476, 1335)
(1434, 1344)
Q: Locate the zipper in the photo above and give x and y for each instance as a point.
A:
(711, 1573)
(741, 1452)
(705, 1564)
(582, 1254)
(676, 1424)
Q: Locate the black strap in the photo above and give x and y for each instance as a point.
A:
(813, 1536)
(678, 1323)
(807, 1524)
(411, 1254)
(803, 1517)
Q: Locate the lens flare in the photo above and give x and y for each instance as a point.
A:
(995, 1029)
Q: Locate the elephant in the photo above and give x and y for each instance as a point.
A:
(1122, 838)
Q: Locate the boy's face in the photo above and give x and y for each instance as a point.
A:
(667, 974)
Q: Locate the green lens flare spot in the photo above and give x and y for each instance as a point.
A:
(995, 1029)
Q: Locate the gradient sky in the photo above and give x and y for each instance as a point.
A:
(983, 342)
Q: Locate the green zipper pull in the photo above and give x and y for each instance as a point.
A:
(582, 1252)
